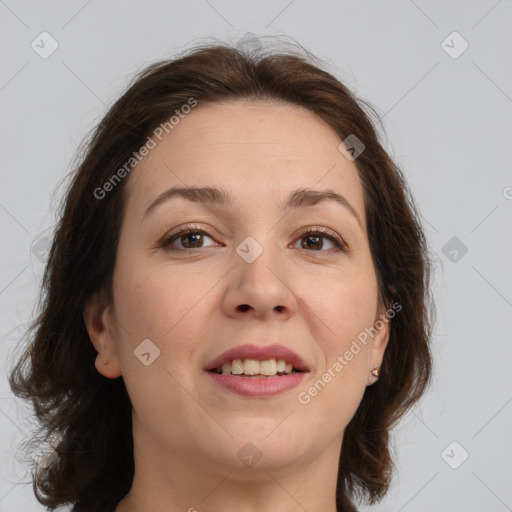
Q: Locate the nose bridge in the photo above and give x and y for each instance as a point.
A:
(259, 254)
(258, 223)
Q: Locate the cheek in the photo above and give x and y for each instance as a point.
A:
(330, 400)
(347, 310)
(160, 304)
(148, 298)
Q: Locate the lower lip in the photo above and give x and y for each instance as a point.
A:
(258, 387)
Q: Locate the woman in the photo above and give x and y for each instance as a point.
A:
(236, 303)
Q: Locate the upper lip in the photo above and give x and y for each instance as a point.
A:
(260, 353)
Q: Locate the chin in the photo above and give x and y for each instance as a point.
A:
(260, 443)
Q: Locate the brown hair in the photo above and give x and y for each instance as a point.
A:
(92, 414)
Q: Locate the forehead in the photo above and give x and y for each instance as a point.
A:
(260, 150)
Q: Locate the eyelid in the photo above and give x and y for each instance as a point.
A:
(182, 230)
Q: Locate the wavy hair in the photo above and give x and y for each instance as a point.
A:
(90, 414)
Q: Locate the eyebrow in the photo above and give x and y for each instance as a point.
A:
(300, 198)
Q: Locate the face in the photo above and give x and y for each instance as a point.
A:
(252, 270)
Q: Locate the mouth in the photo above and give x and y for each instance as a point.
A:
(256, 371)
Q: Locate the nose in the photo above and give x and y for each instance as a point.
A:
(260, 289)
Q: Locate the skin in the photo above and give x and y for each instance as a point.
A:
(187, 430)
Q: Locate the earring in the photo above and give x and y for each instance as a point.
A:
(105, 362)
(376, 371)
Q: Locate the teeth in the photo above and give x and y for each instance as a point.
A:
(269, 367)
(237, 367)
(251, 367)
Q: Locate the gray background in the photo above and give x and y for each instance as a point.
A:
(448, 125)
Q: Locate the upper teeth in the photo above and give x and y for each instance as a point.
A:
(255, 367)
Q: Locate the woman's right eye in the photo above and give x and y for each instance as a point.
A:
(188, 237)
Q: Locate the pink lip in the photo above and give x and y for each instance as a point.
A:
(260, 354)
(257, 387)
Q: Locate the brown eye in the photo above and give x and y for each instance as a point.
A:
(188, 238)
(312, 240)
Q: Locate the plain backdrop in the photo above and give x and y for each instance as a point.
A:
(438, 72)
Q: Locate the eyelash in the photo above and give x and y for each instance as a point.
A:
(191, 229)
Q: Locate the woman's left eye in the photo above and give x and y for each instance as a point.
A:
(316, 235)
(191, 238)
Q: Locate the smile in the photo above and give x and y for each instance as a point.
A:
(255, 368)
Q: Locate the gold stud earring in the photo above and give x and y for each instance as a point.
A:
(376, 371)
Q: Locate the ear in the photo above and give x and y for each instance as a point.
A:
(379, 342)
(100, 325)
